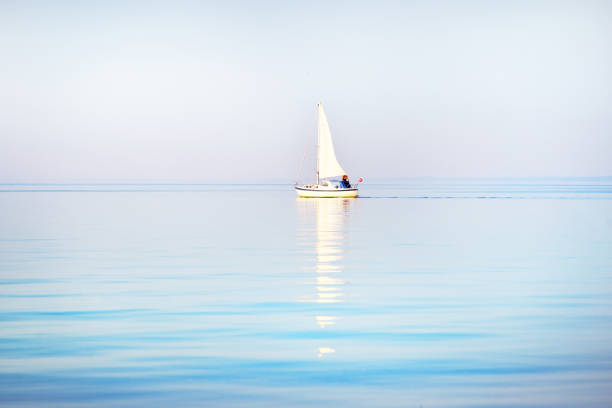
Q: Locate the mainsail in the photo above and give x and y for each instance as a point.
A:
(327, 164)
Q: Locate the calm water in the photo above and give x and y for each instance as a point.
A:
(427, 294)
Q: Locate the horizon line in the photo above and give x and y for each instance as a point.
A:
(376, 180)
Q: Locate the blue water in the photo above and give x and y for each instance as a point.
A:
(428, 293)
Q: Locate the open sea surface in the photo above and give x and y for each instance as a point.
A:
(464, 293)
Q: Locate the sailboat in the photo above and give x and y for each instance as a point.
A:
(332, 180)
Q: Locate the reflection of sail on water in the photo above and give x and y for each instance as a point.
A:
(329, 246)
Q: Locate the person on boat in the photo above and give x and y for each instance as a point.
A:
(345, 182)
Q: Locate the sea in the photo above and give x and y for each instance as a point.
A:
(419, 293)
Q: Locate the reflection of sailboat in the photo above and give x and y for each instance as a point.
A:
(332, 180)
(329, 245)
(330, 251)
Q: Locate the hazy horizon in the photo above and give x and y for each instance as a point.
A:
(194, 92)
(377, 181)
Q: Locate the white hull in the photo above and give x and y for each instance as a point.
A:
(325, 192)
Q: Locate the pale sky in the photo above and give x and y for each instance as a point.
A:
(190, 91)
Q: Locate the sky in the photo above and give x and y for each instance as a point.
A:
(204, 92)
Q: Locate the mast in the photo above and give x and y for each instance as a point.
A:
(318, 138)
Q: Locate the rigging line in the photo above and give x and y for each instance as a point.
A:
(302, 165)
(304, 159)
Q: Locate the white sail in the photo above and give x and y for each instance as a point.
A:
(327, 164)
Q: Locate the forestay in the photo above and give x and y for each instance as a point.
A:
(327, 165)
